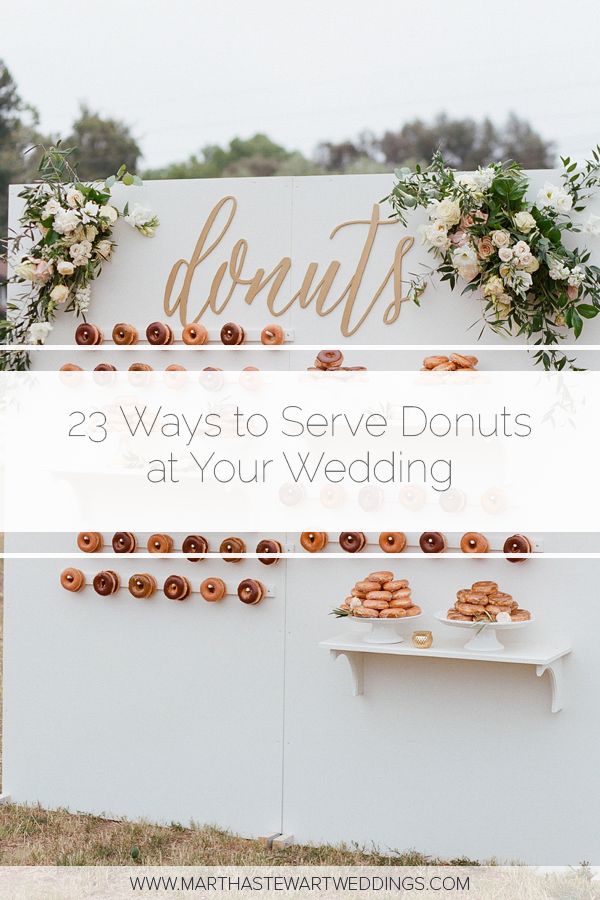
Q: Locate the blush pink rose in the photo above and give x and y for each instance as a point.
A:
(466, 221)
(572, 292)
(43, 271)
(459, 238)
(485, 247)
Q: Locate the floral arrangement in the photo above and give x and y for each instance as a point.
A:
(67, 226)
(489, 239)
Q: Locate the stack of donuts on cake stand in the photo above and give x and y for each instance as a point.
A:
(382, 601)
(485, 608)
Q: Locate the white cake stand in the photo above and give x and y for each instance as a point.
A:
(383, 631)
(484, 639)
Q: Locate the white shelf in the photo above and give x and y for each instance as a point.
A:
(543, 656)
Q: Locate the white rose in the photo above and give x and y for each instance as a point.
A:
(447, 211)
(80, 253)
(435, 234)
(74, 198)
(592, 226)
(466, 262)
(90, 232)
(109, 213)
(90, 211)
(576, 277)
(521, 248)
(551, 196)
(524, 222)
(505, 254)
(65, 267)
(533, 265)
(500, 238)
(38, 332)
(59, 293)
(483, 178)
(66, 221)
(104, 249)
(557, 271)
(522, 280)
(51, 208)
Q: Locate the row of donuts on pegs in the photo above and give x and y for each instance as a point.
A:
(143, 585)
(160, 334)
(429, 542)
(195, 544)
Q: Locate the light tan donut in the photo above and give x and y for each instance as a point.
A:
(363, 612)
(392, 541)
(356, 593)
(520, 615)
(486, 587)
(401, 594)
(469, 609)
(477, 597)
(455, 616)
(400, 585)
(392, 613)
(474, 542)
(379, 595)
(414, 611)
(463, 361)
(366, 586)
(401, 603)
(380, 577)
(375, 604)
(430, 362)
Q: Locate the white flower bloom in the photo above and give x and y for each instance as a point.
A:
(483, 177)
(90, 232)
(505, 254)
(59, 293)
(521, 280)
(576, 276)
(82, 300)
(74, 198)
(38, 332)
(66, 221)
(104, 249)
(51, 208)
(466, 262)
(558, 271)
(503, 618)
(65, 267)
(90, 211)
(592, 226)
(80, 253)
(524, 222)
(435, 234)
(521, 248)
(109, 213)
(500, 238)
(554, 197)
(446, 211)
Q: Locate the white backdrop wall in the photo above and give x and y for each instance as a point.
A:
(233, 715)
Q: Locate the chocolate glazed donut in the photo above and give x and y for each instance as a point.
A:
(89, 541)
(87, 335)
(352, 541)
(106, 583)
(124, 334)
(392, 541)
(517, 543)
(432, 542)
(124, 542)
(232, 334)
(177, 587)
(142, 585)
(268, 546)
(213, 589)
(158, 334)
(232, 545)
(160, 543)
(72, 579)
(195, 334)
(250, 591)
(329, 359)
(195, 543)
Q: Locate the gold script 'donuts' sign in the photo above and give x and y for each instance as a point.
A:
(315, 288)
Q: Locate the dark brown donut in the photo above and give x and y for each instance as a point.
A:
(232, 545)
(195, 543)
(177, 587)
(232, 334)
(432, 542)
(329, 359)
(124, 334)
(194, 333)
(250, 591)
(268, 546)
(142, 585)
(72, 579)
(272, 335)
(213, 589)
(106, 583)
(89, 541)
(160, 543)
(87, 335)
(124, 542)
(158, 333)
(105, 367)
(517, 543)
(392, 541)
(314, 541)
(352, 541)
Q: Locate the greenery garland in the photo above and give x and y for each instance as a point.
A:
(488, 238)
(66, 227)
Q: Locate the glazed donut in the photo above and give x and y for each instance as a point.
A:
(106, 583)
(369, 603)
(272, 335)
(432, 542)
(213, 589)
(329, 359)
(517, 543)
(392, 613)
(140, 367)
(494, 500)
(174, 367)
(70, 367)
(314, 541)
(414, 611)
(400, 603)
(469, 609)
(363, 612)
(269, 546)
(455, 616)
(364, 587)
(72, 579)
(142, 585)
(474, 542)
(124, 334)
(484, 587)
(89, 541)
(401, 584)
(160, 543)
(379, 595)
(88, 335)
(158, 333)
(195, 543)
(250, 378)
(177, 587)
(464, 362)
(250, 591)
(105, 367)
(392, 541)
(520, 615)
(232, 545)
(232, 334)
(352, 541)
(124, 542)
(445, 367)
(380, 577)
(477, 597)
(401, 594)
(194, 333)
(431, 362)
(370, 497)
(502, 599)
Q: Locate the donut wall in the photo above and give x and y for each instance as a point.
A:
(173, 677)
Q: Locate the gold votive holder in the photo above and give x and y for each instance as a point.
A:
(422, 639)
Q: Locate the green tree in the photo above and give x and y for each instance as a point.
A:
(101, 146)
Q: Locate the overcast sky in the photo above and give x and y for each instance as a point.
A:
(184, 74)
